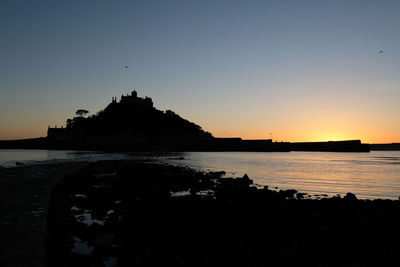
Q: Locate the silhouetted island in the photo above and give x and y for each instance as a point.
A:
(130, 124)
(134, 124)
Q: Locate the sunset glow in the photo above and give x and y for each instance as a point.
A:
(308, 71)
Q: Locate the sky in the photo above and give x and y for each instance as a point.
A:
(286, 70)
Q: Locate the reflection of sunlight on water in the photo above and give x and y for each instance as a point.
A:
(368, 175)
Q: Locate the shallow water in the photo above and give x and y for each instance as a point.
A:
(9, 157)
(368, 175)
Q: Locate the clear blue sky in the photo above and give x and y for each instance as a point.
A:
(300, 70)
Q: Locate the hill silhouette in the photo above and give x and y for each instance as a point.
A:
(131, 123)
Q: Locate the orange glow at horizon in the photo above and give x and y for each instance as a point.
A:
(322, 117)
(363, 133)
(317, 137)
(333, 116)
(306, 133)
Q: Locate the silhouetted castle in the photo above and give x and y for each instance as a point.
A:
(133, 99)
(56, 133)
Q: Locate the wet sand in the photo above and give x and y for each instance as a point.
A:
(130, 213)
(24, 196)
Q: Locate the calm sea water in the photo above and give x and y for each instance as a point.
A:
(9, 157)
(368, 175)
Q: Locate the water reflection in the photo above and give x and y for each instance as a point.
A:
(368, 175)
(9, 157)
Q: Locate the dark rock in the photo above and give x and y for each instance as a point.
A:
(247, 180)
(217, 174)
(350, 196)
(287, 193)
(300, 195)
(103, 240)
(148, 230)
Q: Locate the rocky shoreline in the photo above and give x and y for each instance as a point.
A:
(132, 213)
(24, 198)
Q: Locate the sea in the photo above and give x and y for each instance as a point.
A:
(368, 175)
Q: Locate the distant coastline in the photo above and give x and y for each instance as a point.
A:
(389, 147)
(221, 144)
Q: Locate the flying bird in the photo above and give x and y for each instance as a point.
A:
(381, 52)
(126, 67)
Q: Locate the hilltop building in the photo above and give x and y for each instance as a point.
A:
(56, 134)
(133, 99)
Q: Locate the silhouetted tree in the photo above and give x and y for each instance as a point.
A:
(69, 123)
(81, 112)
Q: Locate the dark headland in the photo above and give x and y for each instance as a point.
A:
(134, 124)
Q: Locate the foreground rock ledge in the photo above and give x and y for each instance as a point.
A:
(125, 213)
